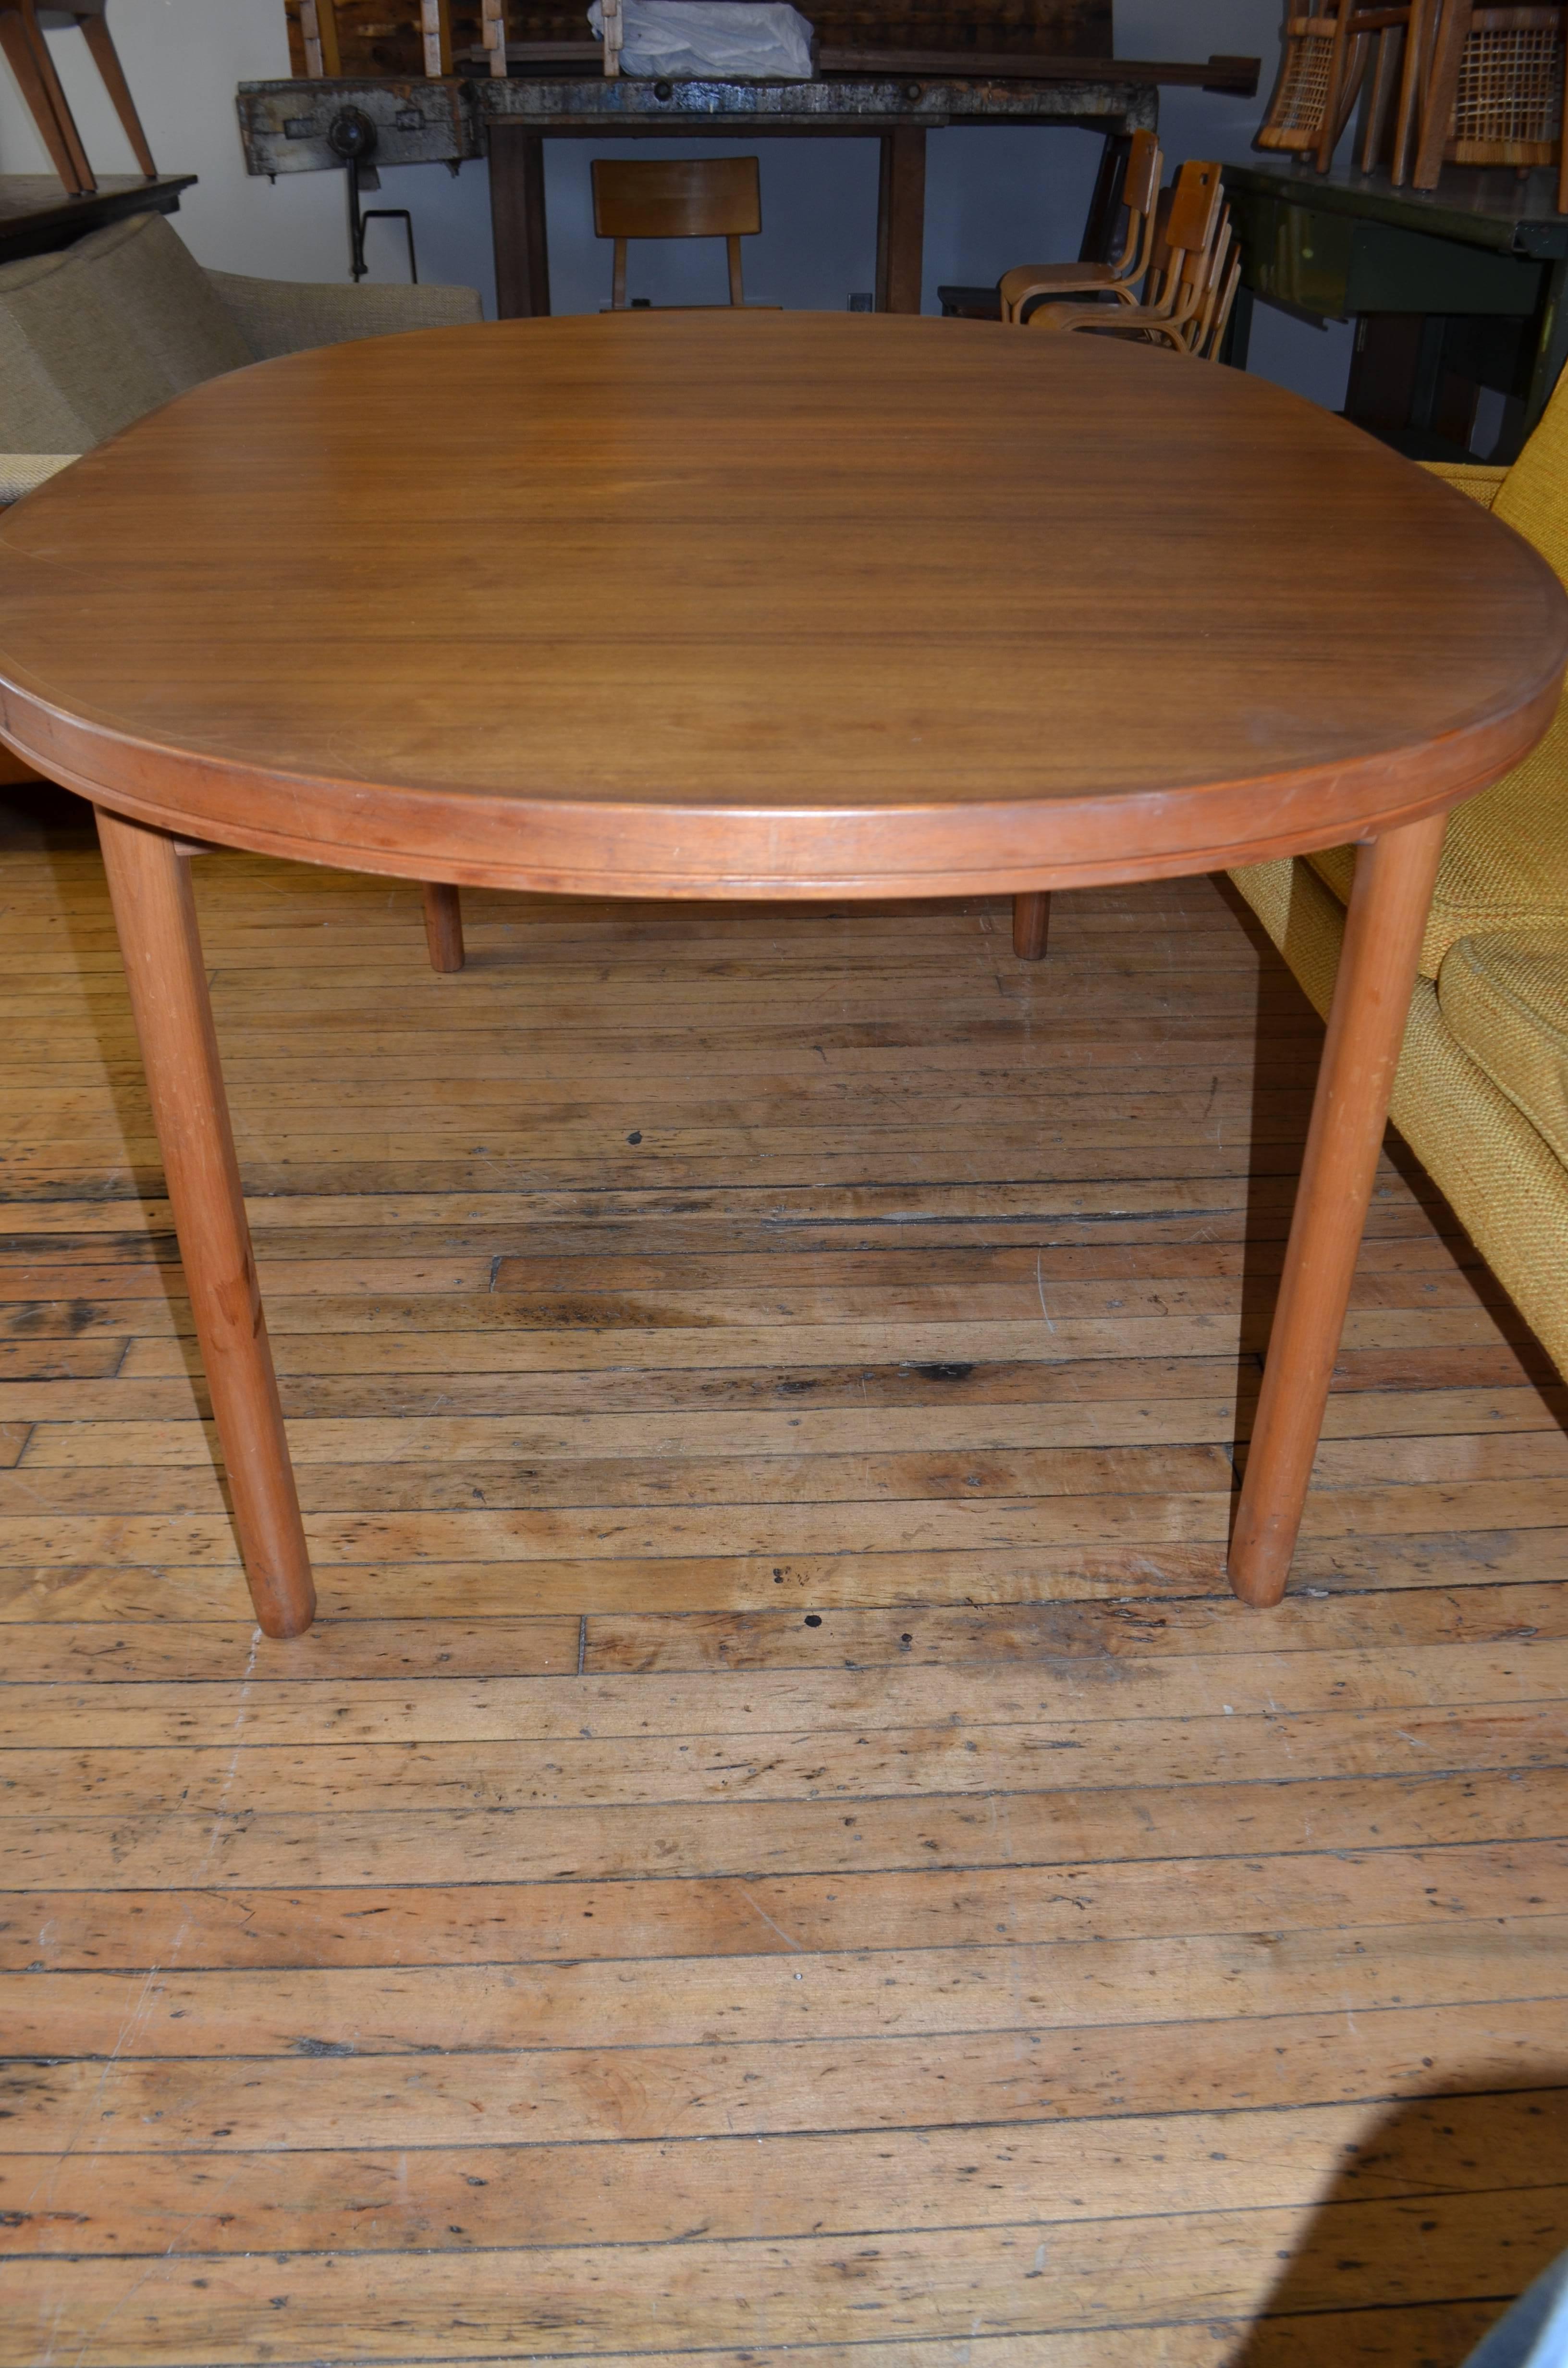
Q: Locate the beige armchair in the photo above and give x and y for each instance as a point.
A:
(96, 336)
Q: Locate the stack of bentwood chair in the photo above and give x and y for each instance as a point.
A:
(1029, 284)
(1191, 281)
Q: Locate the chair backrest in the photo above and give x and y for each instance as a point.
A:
(709, 197)
(1296, 113)
(1195, 208)
(1141, 184)
(1139, 195)
(1187, 222)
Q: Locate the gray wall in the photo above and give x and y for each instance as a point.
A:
(994, 196)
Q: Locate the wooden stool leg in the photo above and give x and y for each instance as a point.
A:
(100, 41)
(443, 925)
(1389, 905)
(155, 915)
(1031, 923)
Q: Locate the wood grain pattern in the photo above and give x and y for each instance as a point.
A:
(769, 692)
(745, 1953)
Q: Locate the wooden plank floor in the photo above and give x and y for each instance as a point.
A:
(780, 1847)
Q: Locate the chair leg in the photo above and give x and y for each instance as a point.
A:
(61, 105)
(34, 82)
(1031, 923)
(100, 41)
(443, 925)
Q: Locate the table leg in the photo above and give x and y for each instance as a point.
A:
(901, 220)
(156, 914)
(443, 925)
(1389, 905)
(517, 223)
(1031, 923)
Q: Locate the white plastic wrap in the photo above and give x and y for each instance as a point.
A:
(693, 40)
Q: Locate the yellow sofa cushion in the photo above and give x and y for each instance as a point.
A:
(1506, 1000)
(1505, 855)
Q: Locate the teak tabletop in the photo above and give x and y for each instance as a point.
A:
(775, 605)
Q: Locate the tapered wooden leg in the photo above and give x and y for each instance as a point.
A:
(443, 925)
(44, 62)
(100, 41)
(1389, 905)
(1031, 924)
(155, 915)
(21, 57)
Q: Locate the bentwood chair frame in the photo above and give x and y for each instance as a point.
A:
(23, 24)
(1182, 268)
(1122, 278)
(709, 197)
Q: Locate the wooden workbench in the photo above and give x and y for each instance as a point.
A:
(284, 126)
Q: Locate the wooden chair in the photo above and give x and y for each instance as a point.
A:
(1225, 282)
(1400, 41)
(1497, 92)
(23, 24)
(1181, 274)
(712, 197)
(1122, 278)
(1318, 81)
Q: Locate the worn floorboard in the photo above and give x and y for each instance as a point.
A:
(779, 1849)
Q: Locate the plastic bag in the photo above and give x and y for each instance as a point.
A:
(694, 40)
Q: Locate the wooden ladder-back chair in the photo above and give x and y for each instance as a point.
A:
(1139, 195)
(1497, 92)
(711, 197)
(23, 24)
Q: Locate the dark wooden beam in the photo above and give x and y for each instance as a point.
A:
(1234, 75)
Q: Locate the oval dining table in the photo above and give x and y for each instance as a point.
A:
(771, 605)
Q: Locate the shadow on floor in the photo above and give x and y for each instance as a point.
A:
(1438, 2219)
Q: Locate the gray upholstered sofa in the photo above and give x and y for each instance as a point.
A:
(93, 338)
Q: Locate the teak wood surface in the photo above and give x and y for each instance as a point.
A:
(796, 605)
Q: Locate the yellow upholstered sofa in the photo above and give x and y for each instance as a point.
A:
(1481, 1093)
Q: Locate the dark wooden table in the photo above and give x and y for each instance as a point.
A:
(38, 218)
(782, 605)
(1452, 289)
